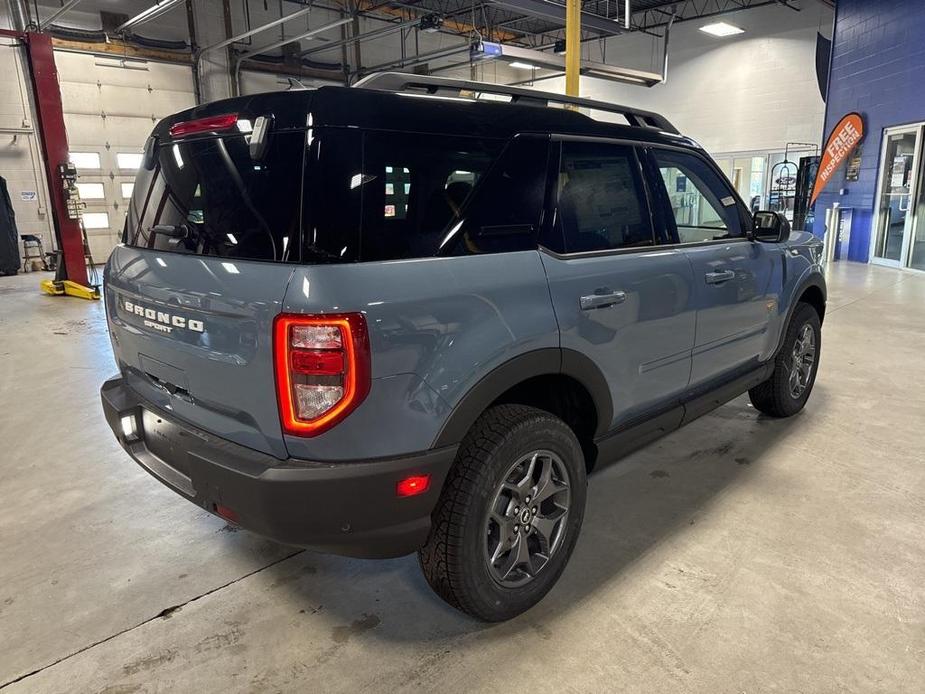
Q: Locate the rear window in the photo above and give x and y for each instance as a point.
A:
(210, 197)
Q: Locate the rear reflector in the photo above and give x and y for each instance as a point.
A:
(225, 513)
(412, 486)
(322, 369)
(209, 124)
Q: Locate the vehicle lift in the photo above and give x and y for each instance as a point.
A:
(71, 277)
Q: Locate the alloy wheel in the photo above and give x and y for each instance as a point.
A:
(527, 519)
(804, 356)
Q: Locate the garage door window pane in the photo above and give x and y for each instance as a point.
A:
(129, 160)
(96, 220)
(85, 160)
(127, 189)
(91, 191)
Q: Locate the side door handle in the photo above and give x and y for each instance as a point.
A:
(720, 277)
(601, 299)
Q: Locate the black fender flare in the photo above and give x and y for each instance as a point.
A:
(540, 362)
(813, 279)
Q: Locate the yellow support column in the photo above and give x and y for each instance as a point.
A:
(572, 46)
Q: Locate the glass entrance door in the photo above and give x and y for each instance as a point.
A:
(896, 212)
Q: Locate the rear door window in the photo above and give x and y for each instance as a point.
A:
(601, 201)
(208, 196)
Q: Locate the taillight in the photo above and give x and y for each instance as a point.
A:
(209, 124)
(322, 369)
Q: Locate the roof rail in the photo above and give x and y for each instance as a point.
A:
(426, 84)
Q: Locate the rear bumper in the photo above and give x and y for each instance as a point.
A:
(348, 508)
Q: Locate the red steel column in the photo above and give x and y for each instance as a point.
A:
(55, 150)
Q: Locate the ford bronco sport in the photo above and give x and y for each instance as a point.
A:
(409, 317)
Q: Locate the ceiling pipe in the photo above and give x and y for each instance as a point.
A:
(236, 73)
(667, 36)
(197, 58)
(147, 15)
(257, 30)
(306, 35)
(377, 33)
(66, 7)
(415, 60)
(19, 16)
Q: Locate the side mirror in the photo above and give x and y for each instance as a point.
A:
(771, 227)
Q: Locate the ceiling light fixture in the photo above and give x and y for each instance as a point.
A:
(722, 29)
(523, 66)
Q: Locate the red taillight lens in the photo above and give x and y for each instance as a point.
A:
(322, 369)
(204, 125)
(412, 486)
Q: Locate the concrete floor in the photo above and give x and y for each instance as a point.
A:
(737, 555)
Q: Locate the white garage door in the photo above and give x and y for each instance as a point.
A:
(110, 106)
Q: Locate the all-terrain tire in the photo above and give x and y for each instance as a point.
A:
(454, 559)
(775, 397)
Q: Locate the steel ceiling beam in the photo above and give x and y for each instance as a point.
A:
(66, 7)
(555, 12)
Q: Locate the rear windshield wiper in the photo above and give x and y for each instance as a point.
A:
(318, 253)
(175, 231)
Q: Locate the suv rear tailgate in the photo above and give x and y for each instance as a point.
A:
(193, 336)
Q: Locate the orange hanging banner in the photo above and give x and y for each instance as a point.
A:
(841, 143)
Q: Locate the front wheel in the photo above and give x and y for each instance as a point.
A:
(787, 390)
(509, 514)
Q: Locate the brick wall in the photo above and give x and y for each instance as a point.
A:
(878, 69)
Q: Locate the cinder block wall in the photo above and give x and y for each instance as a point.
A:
(878, 69)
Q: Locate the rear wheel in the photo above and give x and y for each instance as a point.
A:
(787, 390)
(509, 514)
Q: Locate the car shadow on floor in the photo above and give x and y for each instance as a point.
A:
(633, 505)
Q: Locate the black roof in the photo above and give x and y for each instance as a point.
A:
(381, 110)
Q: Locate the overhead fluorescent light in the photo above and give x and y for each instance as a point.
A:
(722, 29)
(523, 66)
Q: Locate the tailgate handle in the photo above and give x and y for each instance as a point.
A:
(169, 387)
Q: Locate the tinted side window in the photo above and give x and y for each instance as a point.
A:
(505, 209)
(702, 207)
(209, 197)
(601, 200)
(413, 186)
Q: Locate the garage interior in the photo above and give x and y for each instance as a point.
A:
(737, 554)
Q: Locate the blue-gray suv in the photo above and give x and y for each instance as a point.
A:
(416, 314)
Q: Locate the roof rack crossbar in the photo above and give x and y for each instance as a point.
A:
(427, 84)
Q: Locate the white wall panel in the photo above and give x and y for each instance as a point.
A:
(755, 91)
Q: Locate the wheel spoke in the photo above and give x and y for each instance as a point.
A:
(519, 556)
(547, 486)
(545, 527)
(504, 545)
